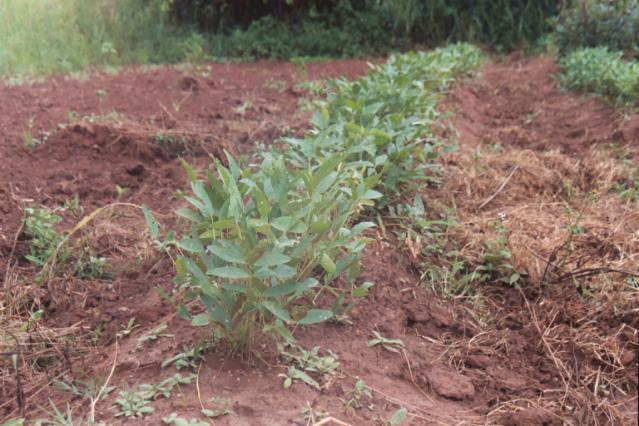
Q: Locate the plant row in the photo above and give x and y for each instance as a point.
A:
(269, 240)
(603, 72)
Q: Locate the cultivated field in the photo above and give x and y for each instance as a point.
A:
(499, 279)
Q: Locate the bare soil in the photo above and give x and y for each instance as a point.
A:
(558, 349)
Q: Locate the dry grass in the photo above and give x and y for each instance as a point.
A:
(578, 242)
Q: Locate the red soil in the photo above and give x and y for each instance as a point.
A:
(452, 369)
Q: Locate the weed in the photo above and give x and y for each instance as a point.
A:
(165, 387)
(29, 140)
(58, 418)
(358, 397)
(496, 259)
(39, 227)
(311, 416)
(223, 407)
(153, 335)
(84, 390)
(188, 358)
(392, 345)
(398, 417)
(127, 330)
(276, 85)
(133, 404)
(174, 419)
(304, 362)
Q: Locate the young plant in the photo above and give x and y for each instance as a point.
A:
(392, 345)
(39, 227)
(258, 238)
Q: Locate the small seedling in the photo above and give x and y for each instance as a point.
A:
(174, 419)
(120, 192)
(30, 141)
(398, 417)
(165, 387)
(101, 94)
(307, 362)
(133, 403)
(152, 335)
(358, 397)
(392, 345)
(223, 407)
(84, 390)
(131, 325)
(58, 418)
(186, 359)
(39, 226)
(311, 415)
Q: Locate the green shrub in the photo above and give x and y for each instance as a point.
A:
(600, 71)
(592, 23)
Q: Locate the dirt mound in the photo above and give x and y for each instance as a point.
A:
(526, 107)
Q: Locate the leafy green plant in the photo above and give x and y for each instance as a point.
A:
(258, 238)
(39, 227)
(603, 72)
(304, 362)
(358, 397)
(133, 404)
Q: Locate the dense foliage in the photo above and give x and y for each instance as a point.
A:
(266, 236)
(598, 70)
(279, 28)
(614, 24)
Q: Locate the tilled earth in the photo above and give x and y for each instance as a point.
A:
(498, 358)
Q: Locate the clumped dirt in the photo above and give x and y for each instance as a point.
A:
(560, 349)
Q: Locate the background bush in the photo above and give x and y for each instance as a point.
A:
(589, 23)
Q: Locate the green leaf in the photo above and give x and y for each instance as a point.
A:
(190, 244)
(399, 416)
(283, 223)
(272, 259)
(200, 320)
(229, 272)
(151, 222)
(284, 272)
(228, 252)
(315, 316)
(280, 290)
(327, 263)
(362, 291)
(277, 310)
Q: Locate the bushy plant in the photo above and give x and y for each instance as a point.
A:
(598, 70)
(259, 236)
(592, 23)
